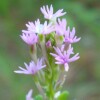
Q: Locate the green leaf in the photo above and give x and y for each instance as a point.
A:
(63, 96)
(38, 97)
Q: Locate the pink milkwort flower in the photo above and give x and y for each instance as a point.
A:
(39, 28)
(48, 12)
(70, 36)
(32, 68)
(48, 44)
(61, 27)
(29, 95)
(63, 57)
(29, 37)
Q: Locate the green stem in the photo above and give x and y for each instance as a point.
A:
(61, 80)
(33, 52)
(51, 84)
(39, 87)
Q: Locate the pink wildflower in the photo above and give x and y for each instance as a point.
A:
(70, 36)
(61, 27)
(29, 37)
(29, 95)
(32, 68)
(63, 57)
(48, 12)
(39, 28)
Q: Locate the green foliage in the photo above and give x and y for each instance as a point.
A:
(64, 95)
(38, 97)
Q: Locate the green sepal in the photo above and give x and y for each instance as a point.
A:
(51, 38)
(61, 38)
(38, 97)
(41, 37)
(63, 96)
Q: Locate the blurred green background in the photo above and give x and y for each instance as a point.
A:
(83, 80)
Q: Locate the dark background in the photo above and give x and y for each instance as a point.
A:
(83, 80)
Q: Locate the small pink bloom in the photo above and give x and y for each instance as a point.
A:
(39, 28)
(48, 44)
(61, 27)
(32, 68)
(48, 12)
(29, 37)
(63, 57)
(70, 36)
(29, 95)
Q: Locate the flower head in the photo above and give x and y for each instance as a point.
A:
(70, 36)
(63, 57)
(32, 68)
(48, 12)
(29, 95)
(29, 37)
(39, 28)
(61, 27)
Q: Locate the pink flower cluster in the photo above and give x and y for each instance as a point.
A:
(52, 42)
(55, 27)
